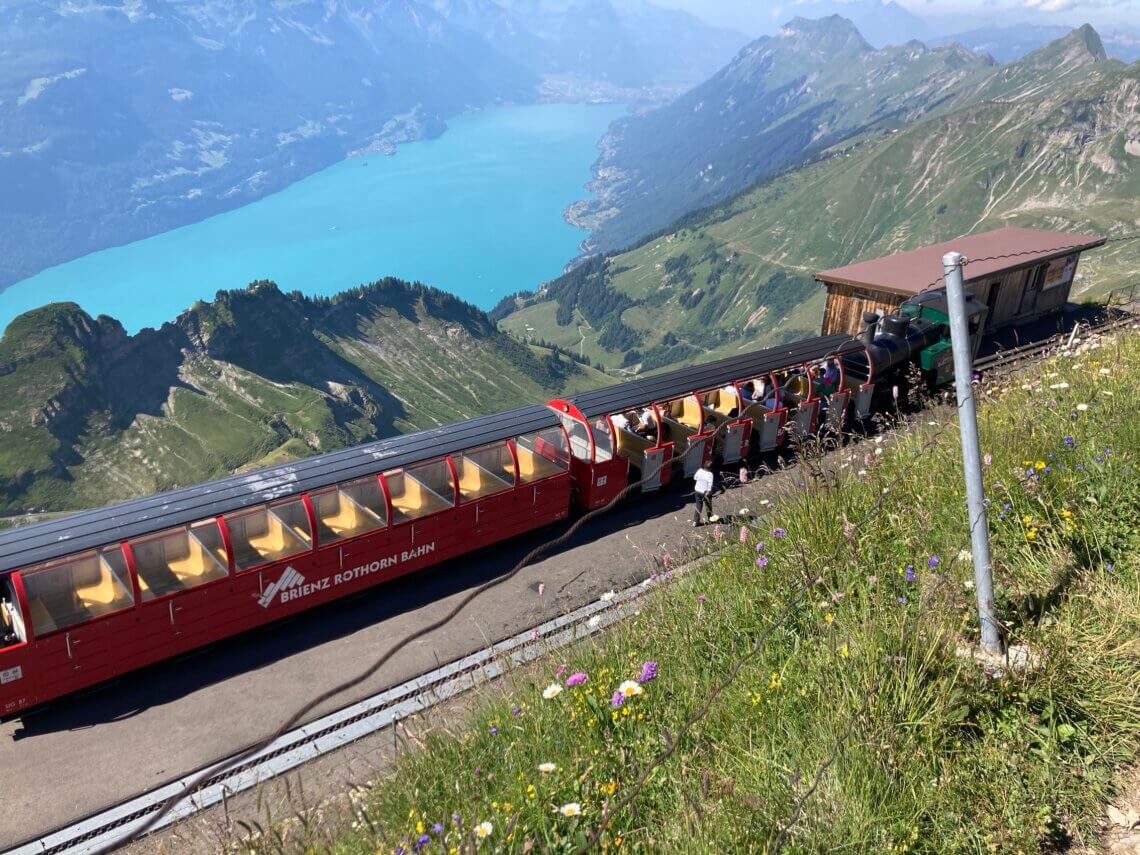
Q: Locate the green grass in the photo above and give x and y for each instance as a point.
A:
(942, 756)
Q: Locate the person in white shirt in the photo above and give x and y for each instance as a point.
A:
(702, 494)
(646, 424)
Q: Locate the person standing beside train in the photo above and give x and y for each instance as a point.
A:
(702, 495)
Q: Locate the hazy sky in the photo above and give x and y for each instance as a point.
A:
(947, 16)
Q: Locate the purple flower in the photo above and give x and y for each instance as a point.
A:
(779, 532)
(759, 546)
(1001, 516)
(1069, 441)
(1048, 469)
(933, 562)
(516, 711)
(987, 460)
(648, 672)
(400, 850)
(437, 828)
(701, 598)
(617, 700)
(1109, 567)
(1005, 506)
(1080, 468)
(494, 730)
(762, 561)
(902, 600)
(422, 841)
(910, 572)
(455, 819)
(559, 672)
(1099, 459)
(576, 679)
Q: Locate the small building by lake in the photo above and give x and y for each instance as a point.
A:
(1020, 274)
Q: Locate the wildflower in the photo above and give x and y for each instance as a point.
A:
(969, 583)
(484, 829)
(1082, 407)
(987, 460)
(701, 598)
(965, 555)
(617, 700)
(743, 534)
(665, 559)
(648, 672)
(534, 634)
(1039, 465)
(1069, 441)
(516, 711)
(547, 767)
(608, 596)
(902, 600)
(576, 679)
(759, 546)
(843, 651)
(571, 809)
(933, 562)
(837, 596)
(593, 622)
(1106, 371)
(775, 681)
(422, 841)
(494, 730)
(561, 670)
(828, 618)
(552, 691)
(779, 533)
(630, 688)
(1061, 385)
(909, 571)
(437, 828)
(871, 580)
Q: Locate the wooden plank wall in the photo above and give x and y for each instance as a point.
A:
(843, 312)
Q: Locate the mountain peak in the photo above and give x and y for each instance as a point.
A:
(831, 33)
(1087, 38)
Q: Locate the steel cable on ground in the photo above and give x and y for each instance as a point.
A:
(294, 719)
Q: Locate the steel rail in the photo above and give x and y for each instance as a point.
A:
(336, 730)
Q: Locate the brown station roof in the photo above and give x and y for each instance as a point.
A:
(910, 272)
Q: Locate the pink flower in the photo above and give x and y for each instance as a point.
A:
(561, 669)
(988, 460)
(702, 599)
(837, 596)
(665, 559)
(576, 679)
(762, 561)
(534, 634)
(743, 534)
(871, 580)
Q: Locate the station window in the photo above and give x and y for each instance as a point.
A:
(269, 533)
(180, 558)
(11, 621)
(349, 509)
(420, 490)
(542, 454)
(603, 440)
(484, 471)
(65, 592)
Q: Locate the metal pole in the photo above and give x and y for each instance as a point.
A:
(971, 455)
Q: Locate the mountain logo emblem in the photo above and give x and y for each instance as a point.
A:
(289, 579)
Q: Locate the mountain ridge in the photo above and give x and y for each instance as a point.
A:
(90, 414)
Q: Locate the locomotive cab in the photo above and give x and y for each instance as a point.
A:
(937, 360)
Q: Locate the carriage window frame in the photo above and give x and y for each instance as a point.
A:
(11, 615)
(208, 537)
(505, 476)
(437, 468)
(116, 569)
(306, 545)
(347, 492)
(555, 438)
(602, 431)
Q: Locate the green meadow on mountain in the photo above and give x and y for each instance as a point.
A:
(90, 415)
(1062, 154)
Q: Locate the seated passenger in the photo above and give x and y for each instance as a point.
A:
(775, 399)
(620, 422)
(646, 424)
(748, 393)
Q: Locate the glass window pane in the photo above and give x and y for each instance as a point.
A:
(485, 471)
(350, 509)
(542, 454)
(63, 593)
(603, 440)
(579, 436)
(178, 559)
(421, 490)
(267, 534)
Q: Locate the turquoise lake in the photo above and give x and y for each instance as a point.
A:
(477, 212)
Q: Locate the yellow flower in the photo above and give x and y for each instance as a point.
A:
(843, 651)
(1066, 513)
(828, 618)
(1039, 465)
(1031, 534)
(420, 827)
(775, 681)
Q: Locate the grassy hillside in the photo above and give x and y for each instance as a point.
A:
(89, 414)
(807, 683)
(740, 275)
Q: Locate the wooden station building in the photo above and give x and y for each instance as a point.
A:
(1020, 274)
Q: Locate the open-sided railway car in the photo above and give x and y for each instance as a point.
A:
(99, 593)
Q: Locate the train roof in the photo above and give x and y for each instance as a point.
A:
(672, 384)
(32, 544)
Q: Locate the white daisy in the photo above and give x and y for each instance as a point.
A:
(552, 691)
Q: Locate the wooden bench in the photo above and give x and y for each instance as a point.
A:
(632, 447)
(340, 516)
(417, 499)
(475, 481)
(534, 467)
